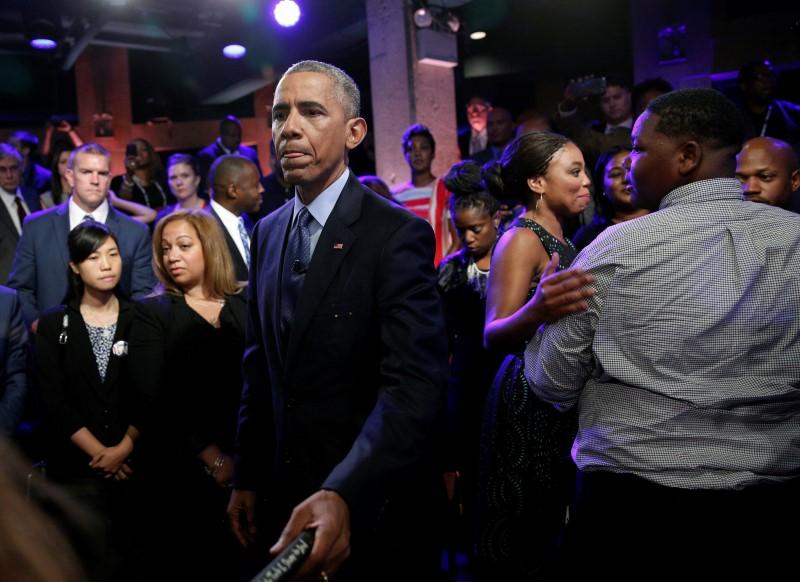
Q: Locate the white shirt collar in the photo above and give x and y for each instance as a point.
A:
(77, 214)
(228, 218)
(10, 195)
(224, 149)
(627, 124)
(322, 206)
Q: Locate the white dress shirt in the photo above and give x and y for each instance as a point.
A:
(321, 207)
(9, 199)
(78, 214)
(231, 223)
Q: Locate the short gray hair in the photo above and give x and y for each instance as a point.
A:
(9, 151)
(88, 148)
(346, 89)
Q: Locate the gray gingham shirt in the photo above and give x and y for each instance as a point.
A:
(686, 366)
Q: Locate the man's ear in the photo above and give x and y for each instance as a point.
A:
(794, 180)
(356, 132)
(690, 154)
(231, 192)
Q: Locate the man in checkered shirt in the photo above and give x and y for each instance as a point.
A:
(685, 367)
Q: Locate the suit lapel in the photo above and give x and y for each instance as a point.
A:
(270, 281)
(7, 222)
(61, 228)
(83, 349)
(333, 246)
(239, 266)
(114, 361)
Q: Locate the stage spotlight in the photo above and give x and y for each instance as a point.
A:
(287, 13)
(423, 18)
(42, 34)
(478, 35)
(234, 51)
(43, 44)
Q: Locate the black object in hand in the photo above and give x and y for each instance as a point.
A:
(289, 560)
(131, 151)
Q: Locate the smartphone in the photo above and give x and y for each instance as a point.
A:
(131, 150)
(591, 87)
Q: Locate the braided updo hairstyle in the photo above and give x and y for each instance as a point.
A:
(528, 156)
(468, 189)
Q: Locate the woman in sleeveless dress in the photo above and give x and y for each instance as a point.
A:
(526, 473)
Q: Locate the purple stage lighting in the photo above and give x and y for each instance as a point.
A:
(287, 13)
(234, 51)
(43, 44)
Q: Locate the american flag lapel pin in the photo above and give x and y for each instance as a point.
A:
(338, 246)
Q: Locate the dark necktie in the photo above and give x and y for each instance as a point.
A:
(295, 264)
(20, 211)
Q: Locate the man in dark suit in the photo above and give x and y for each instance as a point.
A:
(345, 357)
(235, 191)
(13, 361)
(33, 175)
(18, 202)
(500, 129)
(229, 142)
(39, 270)
(474, 138)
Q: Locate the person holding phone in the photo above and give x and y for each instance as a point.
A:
(143, 180)
(595, 137)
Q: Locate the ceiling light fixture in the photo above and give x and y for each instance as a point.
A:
(287, 13)
(234, 51)
(477, 35)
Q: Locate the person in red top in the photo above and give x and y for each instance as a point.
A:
(425, 195)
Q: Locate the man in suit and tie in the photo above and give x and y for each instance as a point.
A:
(345, 356)
(18, 202)
(39, 270)
(235, 191)
(229, 142)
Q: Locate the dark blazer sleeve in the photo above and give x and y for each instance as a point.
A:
(58, 410)
(23, 271)
(397, 432)
(146, 359)
(14, 343)
(143, 279)
(254, 439)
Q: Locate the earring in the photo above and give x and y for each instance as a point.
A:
(541, 195)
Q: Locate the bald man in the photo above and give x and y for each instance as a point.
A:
(769, 172)
(235, 191)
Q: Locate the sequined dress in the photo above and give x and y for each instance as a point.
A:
(526, 474)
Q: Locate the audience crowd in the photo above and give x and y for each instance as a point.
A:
(575, 353)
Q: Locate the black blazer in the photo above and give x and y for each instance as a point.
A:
(349, 403)
(73, 394)
(189, 374)
(239, 266)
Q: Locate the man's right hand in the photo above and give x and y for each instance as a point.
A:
(241, 515)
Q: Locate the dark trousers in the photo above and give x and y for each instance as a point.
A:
(626, 527)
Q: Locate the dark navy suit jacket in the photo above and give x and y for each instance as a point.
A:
(348, 403)
(39, 270)
(13, 361)
(8, 232)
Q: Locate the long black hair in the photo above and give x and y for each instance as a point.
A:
(83, 240)
(603, 206)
